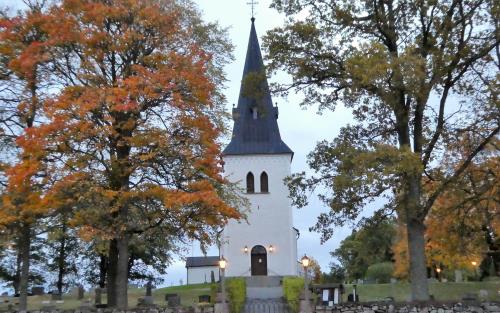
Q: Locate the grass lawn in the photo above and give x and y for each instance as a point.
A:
(441, 291)
(188, 293)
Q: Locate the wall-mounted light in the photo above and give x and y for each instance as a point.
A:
(245, 249)
(271, 248)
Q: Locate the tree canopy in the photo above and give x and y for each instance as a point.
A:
(128, 146)
(420, 77)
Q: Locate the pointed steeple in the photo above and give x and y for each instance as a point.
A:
(255, 128)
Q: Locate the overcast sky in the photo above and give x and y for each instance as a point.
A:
(300, 129)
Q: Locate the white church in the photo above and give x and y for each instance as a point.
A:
(258, 160)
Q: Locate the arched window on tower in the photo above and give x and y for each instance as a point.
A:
(264, 184)
(250, 183)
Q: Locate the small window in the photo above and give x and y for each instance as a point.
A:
(255, 113)
(264, 185)
(250, 183)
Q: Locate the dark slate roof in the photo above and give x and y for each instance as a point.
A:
(201, 261)
(259, 135)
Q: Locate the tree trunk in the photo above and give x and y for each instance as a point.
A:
(418, 267)
(416, 238)
(24, 247)
(17, 275)
(62, 259)
(112, 272)
(122, 273)
(103, 267)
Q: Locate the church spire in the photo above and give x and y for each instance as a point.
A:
(255, 128)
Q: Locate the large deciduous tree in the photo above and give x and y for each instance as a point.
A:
(419, 77)
(25, 81)
(129, 155)
(137, 123)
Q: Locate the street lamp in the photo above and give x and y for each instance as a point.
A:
(438, 270)
(222, 266)
(474, 264)
(305, 263)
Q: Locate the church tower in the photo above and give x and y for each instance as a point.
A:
(258, 160)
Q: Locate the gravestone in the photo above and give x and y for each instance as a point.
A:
(483, 294)
(38, 291)
(81, 292)
(55, 296)
(98, 296)
(173, 300)
(469, 297)
(204, 299)
(148, 300)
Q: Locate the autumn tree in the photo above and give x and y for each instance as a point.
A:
(463, 226)
(136, 124)
(25, 82)
(418, 76)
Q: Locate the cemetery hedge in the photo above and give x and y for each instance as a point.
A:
(292, 287)
(237, 293)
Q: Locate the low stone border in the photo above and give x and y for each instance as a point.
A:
(486, 307)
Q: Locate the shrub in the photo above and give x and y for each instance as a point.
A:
(237, 293)
(380, 272)
(213, 293)
(292, 287)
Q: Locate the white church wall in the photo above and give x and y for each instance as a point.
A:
(270, 220)
(202, 274)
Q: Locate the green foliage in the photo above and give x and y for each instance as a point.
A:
(213, 293)
(369, 245)
(380, 272)
(292, 287)
(237, 293)
(337, 274)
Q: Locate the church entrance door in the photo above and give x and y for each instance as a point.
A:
(259, 261)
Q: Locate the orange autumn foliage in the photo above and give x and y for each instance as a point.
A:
(132, 134)
(456, 224)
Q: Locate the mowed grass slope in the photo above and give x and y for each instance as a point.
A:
(189, 296)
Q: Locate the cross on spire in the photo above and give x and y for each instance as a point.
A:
(252, 4)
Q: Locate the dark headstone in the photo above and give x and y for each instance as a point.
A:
(55, 296)
(148, 289)
(98, 296)
(469, 297)
(170, 295)
(81, 292)
(204, 299)
(38, 291)
(173, 300)
(350, 298)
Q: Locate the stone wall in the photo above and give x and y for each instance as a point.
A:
(489, 307)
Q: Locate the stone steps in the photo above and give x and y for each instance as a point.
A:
(264, 287)
(264, 292)
(265, 306)
(264, 281)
